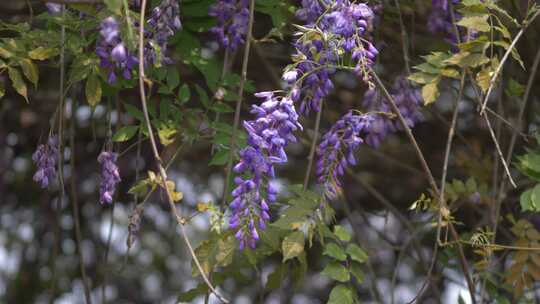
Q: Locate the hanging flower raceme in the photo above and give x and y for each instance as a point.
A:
(408, 99)
(268, 134)
(54, 8)
(164, 21)
(46, 158)
(341, 28)
(336, 149)
(110, 176)
(232, 22)
(440, 19)
(114, 55)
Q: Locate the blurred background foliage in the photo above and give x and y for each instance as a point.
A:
(37, 232)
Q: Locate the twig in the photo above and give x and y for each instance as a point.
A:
(238, 109)
(162, 172)
(404, 39)
(311, 156)
(431, 179)
(525, 25)
(75, 202)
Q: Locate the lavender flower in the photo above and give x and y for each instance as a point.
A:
(113, 54)
(232, 22)
(440, 19)
(110, 176)
(336, 149)
(54, 8)
(162, 24)
(45, 158)
(408, 100)
(268, 134)
(334, 29)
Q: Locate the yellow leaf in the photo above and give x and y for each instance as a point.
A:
(93, 90)
(430, 92)
(30, 70)
(42, 53)
(18, 82)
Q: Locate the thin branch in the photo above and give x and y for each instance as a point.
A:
(404, 39)
(311, 156)
(504, 58)
(238, 109)
(162, 172)
(75, 201)
(431, 179)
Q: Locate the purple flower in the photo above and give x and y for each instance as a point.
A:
(113, 54)
(334, 29)
(54, 8)
(268, 134)
(162, 24)
(45, 158)
(232, 22)
(408, 100)
(336, 149)
(440, 19)
(110, 176)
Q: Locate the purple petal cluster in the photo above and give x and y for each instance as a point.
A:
(54, 8)
(440, 19)
(112, 52)
(110, 176)
(341, 28)
(268, 134)
(164, 21)
(46, 158)
(408, 99)
(232, 22)
(336, 149)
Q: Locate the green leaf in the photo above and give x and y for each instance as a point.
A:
(134, 112)
(114, 6)
(336, 271)
(293, 245)
(4, 53)
(515, 88)
(173, 78)
(125, 133)
(18, 82)
(475, 23)
(422, 78)
(41, 53)
(357, 272)
(226, 249)
(276, 278)
(184, 94)
(342, 233)
(203, 96)
(356, 253)
(341, 294)
(220, 158)
(430, 92)
(30, 71)
(222, 107)
(335, 251)
(93, 90)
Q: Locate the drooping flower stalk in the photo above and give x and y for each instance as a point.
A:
(46, 158)
(232, 22)
(114, 55)
(268, 134)
(336, 149)
(333, 30)
(110, 176)
(164, 21)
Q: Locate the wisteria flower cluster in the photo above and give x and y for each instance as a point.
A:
(336, 149)
(46, 158)
(54, 8)
(268, 134)
(110, 176)
(162, 24)
(333, 30)
(232, 22)
(408, 99)
(440, 19)
(113, 53)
